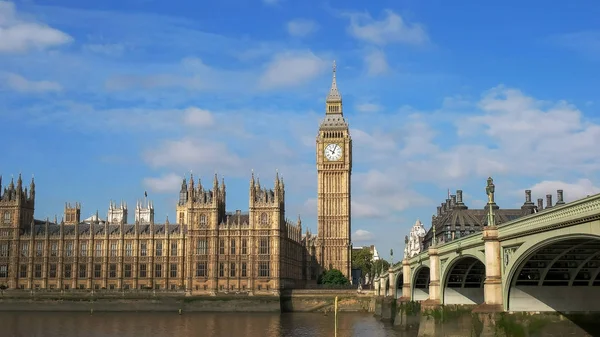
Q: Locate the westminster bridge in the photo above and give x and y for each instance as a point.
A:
(546, 261)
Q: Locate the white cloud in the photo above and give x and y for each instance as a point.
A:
(198, 117)
(17, 35)
(571, 191)
(584, 42)
(376, 63)
(164, 184)
(368, 107)
(301, 27)
(292, 68)
(361, 235)
(391, 29)
(21, 84)
(189, 153)
(110, 49)
(527, 132)
(382, 193)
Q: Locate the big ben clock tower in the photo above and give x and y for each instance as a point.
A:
(334, 167)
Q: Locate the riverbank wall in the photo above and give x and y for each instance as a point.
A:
(323, 300)
(287, 301)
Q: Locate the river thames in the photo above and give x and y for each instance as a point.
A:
(128, 324)
(159, 324)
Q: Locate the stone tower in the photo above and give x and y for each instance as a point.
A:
(201, 208)
(144, 211)
(72, 213)
(117, 213)
(267, 215)
(334, 168)
(17, 205)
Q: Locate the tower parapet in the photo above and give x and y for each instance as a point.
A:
(201, 205)
(17, 203)
(72, 213)
(144, 211)
(117, 213)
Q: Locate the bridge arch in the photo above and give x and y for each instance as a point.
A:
(462, 280)
(398, 282)
(558, 273)
(420, 283)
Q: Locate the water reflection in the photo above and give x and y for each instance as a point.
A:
(56, 324)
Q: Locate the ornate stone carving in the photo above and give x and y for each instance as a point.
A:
(414, 241)
(507, 254)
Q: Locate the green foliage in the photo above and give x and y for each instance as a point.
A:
(333, 276)
(411, 308)
(363, 260)
(379, 263)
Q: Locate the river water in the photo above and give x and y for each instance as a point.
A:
(131, 324)
(128, 324)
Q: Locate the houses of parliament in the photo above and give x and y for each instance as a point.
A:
(207, 250)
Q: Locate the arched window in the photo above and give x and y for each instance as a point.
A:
(264, 219)
(203, 220)
(181, 218)
(7, 217)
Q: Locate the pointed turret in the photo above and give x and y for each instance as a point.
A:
(183, 192)
(32, 189)
(190, 194)
(19, 184)
(334, 94)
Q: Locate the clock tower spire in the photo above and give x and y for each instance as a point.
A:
(334, 168)
(334, 99)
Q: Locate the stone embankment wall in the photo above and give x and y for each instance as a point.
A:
(323, 301)
(149, 301)
(288, 301)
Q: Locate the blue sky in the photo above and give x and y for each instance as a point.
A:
(105, 100)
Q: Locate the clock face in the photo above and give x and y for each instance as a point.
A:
(333, 152)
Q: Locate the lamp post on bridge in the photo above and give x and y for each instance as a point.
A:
(489, 190)
(492, 286)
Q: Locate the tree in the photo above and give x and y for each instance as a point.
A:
(377, 265)
(362, 259)
(333, 277)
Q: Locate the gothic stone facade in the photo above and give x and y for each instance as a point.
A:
(208, 250)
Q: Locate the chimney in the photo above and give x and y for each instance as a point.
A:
(452, 201)
(528, 205)
(459, 199)
(540, 204)
(559, 197)
(527, 196)
(439, 210)
(548, 200)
